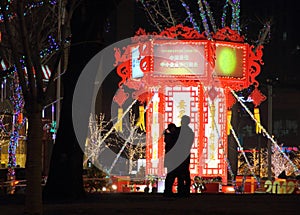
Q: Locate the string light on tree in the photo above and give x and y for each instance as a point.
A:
(18, 121)
(190, 16)
(161, 14)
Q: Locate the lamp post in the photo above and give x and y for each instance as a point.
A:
(58, 80)
(60, 68)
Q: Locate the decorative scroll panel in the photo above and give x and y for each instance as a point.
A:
(215, 134)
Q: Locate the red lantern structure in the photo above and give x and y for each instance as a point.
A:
(181, 72)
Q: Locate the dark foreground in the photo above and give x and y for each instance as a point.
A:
(141, 203)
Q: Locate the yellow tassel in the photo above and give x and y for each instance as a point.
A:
(119, 126)
(257, 117)
(141, 120)
(229, 113)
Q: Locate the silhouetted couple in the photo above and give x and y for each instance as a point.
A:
(178, 144)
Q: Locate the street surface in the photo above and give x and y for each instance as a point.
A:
(142, 203)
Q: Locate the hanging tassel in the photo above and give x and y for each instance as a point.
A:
(257, 118)
(119, 126)
(141, 120)
(229, 113)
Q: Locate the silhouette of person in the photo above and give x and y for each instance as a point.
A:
(170, 138)
(185, 142)
(177, 157)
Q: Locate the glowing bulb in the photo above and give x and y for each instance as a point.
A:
(114, 187)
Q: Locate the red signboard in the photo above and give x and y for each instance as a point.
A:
(179, 58)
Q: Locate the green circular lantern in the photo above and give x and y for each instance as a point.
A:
(227, 61)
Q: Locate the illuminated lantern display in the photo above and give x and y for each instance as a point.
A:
(181, 72)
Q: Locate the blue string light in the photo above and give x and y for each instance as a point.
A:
(210, 16)
(235, 24)
(204, 19)
(28, 8)
(18, 103)
(223, 19)
(190, 16)
(53, 46)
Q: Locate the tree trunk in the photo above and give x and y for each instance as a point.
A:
(65, 173)
(33, 199)
(66, 166)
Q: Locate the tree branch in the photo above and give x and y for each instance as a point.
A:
(26, 47)
(51, 83)
(170, 14)
(16, 58)
(262, 38)
(151, 17)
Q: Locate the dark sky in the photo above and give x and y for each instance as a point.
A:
(282, 52)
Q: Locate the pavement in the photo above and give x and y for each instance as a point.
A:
(149, 203)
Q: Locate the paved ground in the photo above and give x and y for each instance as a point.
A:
(141, 203)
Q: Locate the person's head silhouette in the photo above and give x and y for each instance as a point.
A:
(171, 127)
(185, 120)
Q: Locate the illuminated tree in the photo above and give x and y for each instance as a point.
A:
(200, 15)
(264, 163)
(129, 143)
(260, 166)
(32, 36)
(162, 14)
(136, 141)
(4, 134)
(97, 141)
(280, 163)
(18, 121)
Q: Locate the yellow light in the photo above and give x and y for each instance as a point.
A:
(228, 189)
(114, 187)
(227, 61)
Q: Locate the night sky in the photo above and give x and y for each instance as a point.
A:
(282, 53)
